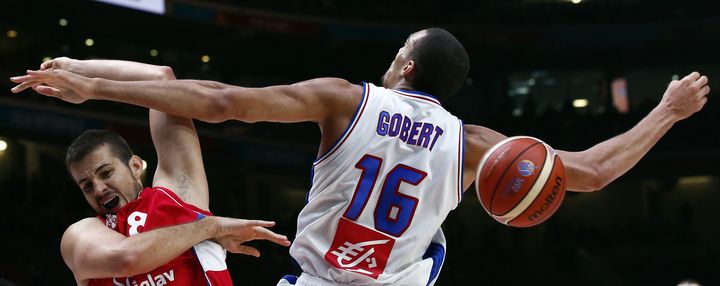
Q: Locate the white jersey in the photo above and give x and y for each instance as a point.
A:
(381, 193)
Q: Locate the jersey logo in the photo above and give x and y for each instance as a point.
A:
(111, 221)
(359, 249)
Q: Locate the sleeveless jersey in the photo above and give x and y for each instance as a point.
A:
(381, 193)
(157, 207)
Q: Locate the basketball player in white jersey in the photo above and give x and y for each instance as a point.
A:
(392, 162)
(158, 232)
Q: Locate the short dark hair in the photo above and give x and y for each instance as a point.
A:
(441, 63)
(90, 140)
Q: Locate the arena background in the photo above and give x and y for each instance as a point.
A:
(570, 73)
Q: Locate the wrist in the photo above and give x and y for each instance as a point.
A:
(213, 226)
(662, 115)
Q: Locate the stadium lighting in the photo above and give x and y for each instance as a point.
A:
(144, 166)
(580, 103)
(12, 33)
(205, 59)
(46, 59)
(89, 42)
(154, 53)
(576, 1)
(63, 22)
(3, 145)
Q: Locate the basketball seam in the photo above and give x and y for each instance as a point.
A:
(544, 186)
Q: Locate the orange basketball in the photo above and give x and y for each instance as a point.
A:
(520, 181)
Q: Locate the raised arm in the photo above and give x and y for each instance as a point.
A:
(594, 168)
(312, 100)
(91, 250)
(180, 167)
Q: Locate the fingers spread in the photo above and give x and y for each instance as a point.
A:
(266, 234)
(24, 86)
(262, 223)
(48, 91)
(244, 249)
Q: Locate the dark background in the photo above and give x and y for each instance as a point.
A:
(530, 61)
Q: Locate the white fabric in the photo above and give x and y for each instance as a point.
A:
(336, 178)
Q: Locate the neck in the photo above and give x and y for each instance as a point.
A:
(403, 84)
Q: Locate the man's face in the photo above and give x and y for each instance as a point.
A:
(106, 182)
(395, 72)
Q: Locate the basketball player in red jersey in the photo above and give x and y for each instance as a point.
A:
(151, 236)
(432, 63)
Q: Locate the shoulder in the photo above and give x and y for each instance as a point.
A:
(339, 94)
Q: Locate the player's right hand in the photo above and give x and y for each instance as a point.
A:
(684, 97)
(232, 233)
(58, 83)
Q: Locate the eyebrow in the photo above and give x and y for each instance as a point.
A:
(96, 171)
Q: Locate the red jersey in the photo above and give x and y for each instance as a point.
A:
(156, 207)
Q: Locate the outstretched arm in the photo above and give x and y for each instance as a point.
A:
(313, 100)
(594, 168)
(91, 250)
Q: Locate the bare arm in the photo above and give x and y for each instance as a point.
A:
(313, 100)
(110, 69)
(594, 168)
(91, 250)
(330, 102)
(180, 167)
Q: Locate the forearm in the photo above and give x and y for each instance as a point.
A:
(596, 167)
(119, 70)
(184, 98)
(149, 250)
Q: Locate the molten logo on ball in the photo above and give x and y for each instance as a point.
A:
(526, 167)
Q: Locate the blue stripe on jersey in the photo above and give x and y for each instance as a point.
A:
(419, 93)
(437, 252)
(347, 128)
(292, 279)
(199, 216)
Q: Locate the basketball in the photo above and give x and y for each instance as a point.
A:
(520, 181)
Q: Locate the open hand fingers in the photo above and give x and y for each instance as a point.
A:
(266, 234)
(244, 249)
(24, 85)
(47, 90)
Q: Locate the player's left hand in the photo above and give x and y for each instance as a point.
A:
(232, 233)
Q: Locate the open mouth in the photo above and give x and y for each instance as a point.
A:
(111, 203)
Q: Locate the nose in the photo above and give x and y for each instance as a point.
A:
(99, 188)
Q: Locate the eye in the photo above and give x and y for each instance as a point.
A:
(87, 187)
(106, 174)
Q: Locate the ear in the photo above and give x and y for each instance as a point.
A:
(136, 166)
(409, 69)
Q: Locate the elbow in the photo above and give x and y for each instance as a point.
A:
(597, 180)
(125, 263)
(165, 73)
